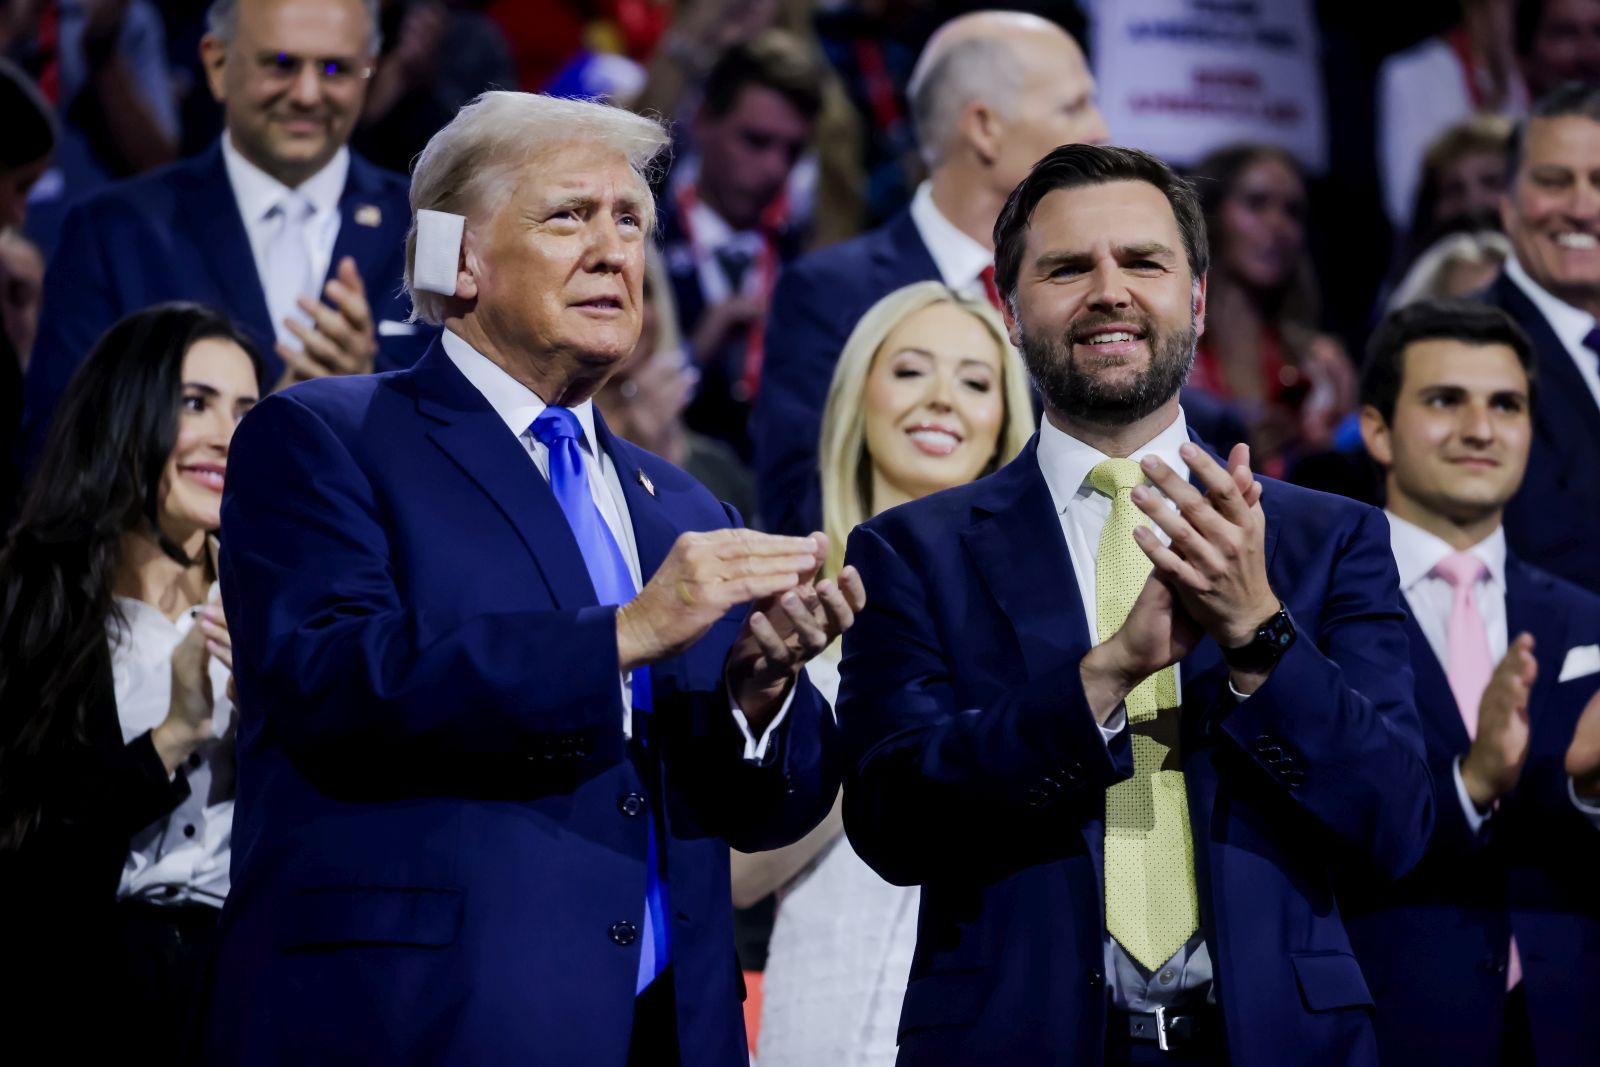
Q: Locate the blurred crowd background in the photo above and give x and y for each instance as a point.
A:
(1351, 157)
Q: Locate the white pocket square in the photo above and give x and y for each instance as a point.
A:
(395, 328)
(1580, 661)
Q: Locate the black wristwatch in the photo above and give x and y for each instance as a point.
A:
(1263, 651)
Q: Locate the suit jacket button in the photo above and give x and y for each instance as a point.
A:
(631, 804)
(624, 932)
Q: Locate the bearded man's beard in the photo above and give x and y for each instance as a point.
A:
(1082, 394)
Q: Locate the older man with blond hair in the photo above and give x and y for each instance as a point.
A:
(514, 684)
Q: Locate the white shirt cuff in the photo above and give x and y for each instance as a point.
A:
(1115, 724)
(1589, 807)
(755, 751)
(1475, 818)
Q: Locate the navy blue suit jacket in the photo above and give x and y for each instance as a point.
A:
(977, 770)
(817, 303)
(1555, 515)
(1434, 944)
(176, 234)
(439, 822)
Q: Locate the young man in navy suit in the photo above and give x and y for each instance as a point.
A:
(510, 704)
(279, 225)
(991, 93)
(1551, 287)
(1122, 711)
(1489, 952)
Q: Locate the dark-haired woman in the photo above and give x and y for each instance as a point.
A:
(1261, 351)
(116, 783)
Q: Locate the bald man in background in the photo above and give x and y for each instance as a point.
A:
(992, 93)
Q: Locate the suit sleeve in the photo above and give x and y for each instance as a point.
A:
(80, 304)
(936, 790)
(802, 344)
(751, 804)
(1335, 726)
(339, 664)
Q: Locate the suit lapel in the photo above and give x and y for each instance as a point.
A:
(901, 256)
(224, 246)
(1436, 703)
(1017, 545)
(653, 530)
(1529, 610)
(478, 442)
(361, 235)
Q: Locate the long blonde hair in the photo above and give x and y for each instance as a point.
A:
(845, 464)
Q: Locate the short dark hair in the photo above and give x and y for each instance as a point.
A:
(1573, 99)
(1436, 320)
(774, 59)
(1075, 165)
(30, 127)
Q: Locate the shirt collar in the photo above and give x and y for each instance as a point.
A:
(515, 403)
(1571, 325)
(713, 231)
(1066, 461)
(258, 192)
(1417, 552)
(959, 258)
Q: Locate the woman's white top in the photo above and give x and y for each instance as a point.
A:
(839, 956)
(182, 858)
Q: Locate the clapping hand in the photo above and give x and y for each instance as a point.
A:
(784, 631)
(1493, 764)
(188, 724)
(340, 339)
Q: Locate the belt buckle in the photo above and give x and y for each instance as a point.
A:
(1161, 1028)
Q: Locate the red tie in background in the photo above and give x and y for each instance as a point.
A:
(989, 290)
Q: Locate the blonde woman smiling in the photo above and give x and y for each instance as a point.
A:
(928, 395)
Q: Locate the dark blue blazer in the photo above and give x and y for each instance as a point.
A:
(440, 830)
(176, 234)
(976, 770)
(1434, 944)
(1554, 517)
(817, 303)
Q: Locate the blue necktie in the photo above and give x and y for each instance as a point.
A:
(559, 431)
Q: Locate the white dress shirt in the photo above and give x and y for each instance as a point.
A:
(1570, 325)
(184, 856)
(518, 406)
(257, 193)
(1416, 553)
(959, 258)
(712, 235)
(1065, 463)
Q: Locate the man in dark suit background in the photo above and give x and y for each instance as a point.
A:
(1489, 952)
(509, 703)
(1551, 287)
(990, 94)
(279, 225)
(1125, 792)
(728, 229)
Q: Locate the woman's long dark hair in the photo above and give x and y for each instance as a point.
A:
(98, 477)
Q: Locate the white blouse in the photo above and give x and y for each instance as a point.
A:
(182, 858)
(840, 954)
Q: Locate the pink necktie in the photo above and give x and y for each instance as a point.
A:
(1470, 664)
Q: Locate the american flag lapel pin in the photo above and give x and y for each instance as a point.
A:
(644, 480)
(369, 215)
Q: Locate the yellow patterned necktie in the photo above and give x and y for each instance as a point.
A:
(1151, 906)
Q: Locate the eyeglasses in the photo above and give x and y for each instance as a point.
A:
(333, 70)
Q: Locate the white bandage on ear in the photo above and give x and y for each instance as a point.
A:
(438, 253)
